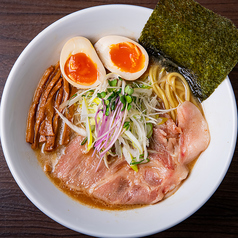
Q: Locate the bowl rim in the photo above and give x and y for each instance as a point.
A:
(5, 147)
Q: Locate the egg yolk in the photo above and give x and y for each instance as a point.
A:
(81, 69)
(127, 56)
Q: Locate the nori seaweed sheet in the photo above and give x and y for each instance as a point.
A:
(192, 40)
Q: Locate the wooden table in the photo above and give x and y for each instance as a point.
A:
(20, 22)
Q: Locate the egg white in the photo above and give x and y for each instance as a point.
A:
(102, 47)
(81, 45)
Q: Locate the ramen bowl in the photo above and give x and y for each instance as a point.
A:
(44, 50)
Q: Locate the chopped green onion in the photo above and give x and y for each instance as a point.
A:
(84, 141)
(149, 129)
(122, 98)
(126, 125)
(128, 98)
(112, 83)
(141, 156)
(113, 106)
(129, 90)
(112, 96)
(73, 96)
(124, 106)
(133, 162)
(102, 94)
(107, 111)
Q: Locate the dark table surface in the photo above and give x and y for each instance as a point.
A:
(20, 22)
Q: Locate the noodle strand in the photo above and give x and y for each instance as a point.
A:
(171, 88)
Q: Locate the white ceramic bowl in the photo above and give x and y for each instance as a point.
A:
(44, 50)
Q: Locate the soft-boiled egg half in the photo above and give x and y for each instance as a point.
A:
(80, 64)
(123, 56)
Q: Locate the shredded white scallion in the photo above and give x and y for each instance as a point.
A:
(79, 130)
(140, 110)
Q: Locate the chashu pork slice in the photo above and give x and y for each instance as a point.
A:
(195, 136)
(121, 185)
